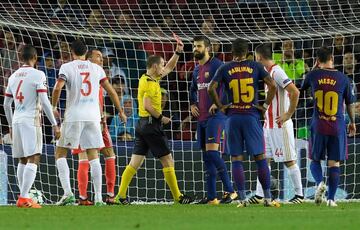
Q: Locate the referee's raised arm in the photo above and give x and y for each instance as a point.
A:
(171, 64)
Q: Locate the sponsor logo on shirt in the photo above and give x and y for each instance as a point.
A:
(86, 100)
(327, 118)
(202, 86)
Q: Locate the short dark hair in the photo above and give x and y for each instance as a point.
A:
(151, 60)
(78, 47)
(265, 50)
(323, 54)
(204, 39)
(239, 47)
(28, 52)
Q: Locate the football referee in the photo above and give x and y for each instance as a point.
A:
(149, 134)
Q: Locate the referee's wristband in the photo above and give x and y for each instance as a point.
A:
(54, 108)
(178, 53)
(160, 117)
(266, 106)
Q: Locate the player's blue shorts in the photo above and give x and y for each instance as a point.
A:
(332, 147)
(244, 132)
(210, 131)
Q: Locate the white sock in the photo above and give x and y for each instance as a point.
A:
(295, 175)
(28, 179)
(19, 174)
(64, 175)
(259, 189)
(96, 176)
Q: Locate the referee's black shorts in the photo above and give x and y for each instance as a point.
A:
(149, 135)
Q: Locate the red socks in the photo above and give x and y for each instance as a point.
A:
(110, 174)
(83, 178)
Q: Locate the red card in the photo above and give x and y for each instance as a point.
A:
(178, 40)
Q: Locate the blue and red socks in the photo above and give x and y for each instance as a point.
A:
(334, 177)
(210, 176)
(221, 169)
(316, 171)
(239, 178)
(264, 177)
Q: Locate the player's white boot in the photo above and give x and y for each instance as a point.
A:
(320, 193)
(331, 203)
(98, 200)
(66, 200)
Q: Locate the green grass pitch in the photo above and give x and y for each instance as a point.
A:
(224, 217)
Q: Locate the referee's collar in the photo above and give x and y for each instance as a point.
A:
(150, 78)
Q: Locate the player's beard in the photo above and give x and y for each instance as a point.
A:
(199, 55)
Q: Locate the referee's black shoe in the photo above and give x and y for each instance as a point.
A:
(121, 201)
(185, 199)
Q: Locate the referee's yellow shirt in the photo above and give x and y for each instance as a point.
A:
(149, 88)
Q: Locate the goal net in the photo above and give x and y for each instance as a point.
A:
(127, 31)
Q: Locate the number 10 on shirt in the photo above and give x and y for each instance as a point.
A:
(327, 102)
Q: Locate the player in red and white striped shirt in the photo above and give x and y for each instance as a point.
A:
(278, 126)
(27, 88)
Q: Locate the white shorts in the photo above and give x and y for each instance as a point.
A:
(26, 140)
(280, 143)
(83, 134)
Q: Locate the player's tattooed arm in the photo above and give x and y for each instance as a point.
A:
(215, 97)
(351, 112)
(193, 98)
(271, 92)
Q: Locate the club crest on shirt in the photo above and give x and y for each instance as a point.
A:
(207, 74)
